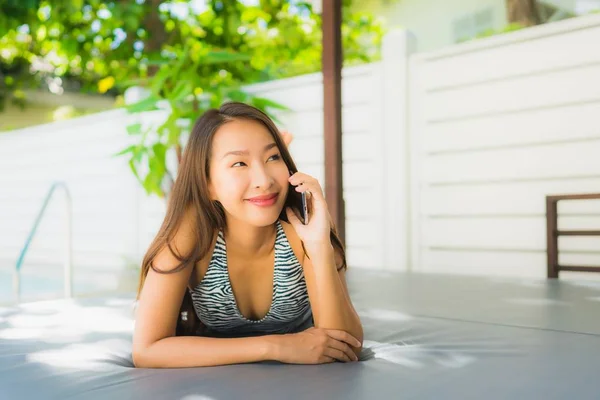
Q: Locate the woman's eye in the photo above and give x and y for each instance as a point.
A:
(273, 157)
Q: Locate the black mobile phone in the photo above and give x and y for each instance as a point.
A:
(304, 209)
(304, 206)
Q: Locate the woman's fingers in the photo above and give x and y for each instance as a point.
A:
(314, 192)
(337, 354)
(301, 178)
(327, 360)
(343, 336)
(304, 181)
(313, 189)
(344, 348)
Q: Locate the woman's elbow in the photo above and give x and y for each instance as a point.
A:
(137, 356)
(140, 357)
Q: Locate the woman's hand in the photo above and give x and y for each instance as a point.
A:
(316, 346)
(316, 233)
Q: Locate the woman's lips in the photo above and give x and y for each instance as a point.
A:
(264, 202)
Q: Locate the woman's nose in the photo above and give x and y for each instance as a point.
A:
(261, 177)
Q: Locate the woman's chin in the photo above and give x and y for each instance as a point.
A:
(262, 217)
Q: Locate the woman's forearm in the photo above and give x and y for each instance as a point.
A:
(335, 310)
(195, 351)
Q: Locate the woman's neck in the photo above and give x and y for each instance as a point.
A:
(247, 240)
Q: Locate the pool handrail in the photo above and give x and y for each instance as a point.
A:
(68, 266)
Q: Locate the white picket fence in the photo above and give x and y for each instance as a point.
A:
(447, 159)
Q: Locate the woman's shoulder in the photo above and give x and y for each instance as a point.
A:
(293, 239)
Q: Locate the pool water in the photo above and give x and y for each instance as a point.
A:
(36, 286)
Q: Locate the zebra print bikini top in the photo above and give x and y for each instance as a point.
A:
(217, 309)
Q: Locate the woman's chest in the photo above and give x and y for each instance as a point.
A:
(259, 291)
(252, 285)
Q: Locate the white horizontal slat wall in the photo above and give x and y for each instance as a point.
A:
(497, 125)
(104, 196)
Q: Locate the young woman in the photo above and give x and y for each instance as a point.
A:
(233, 275)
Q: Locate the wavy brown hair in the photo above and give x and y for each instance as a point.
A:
(190, 190)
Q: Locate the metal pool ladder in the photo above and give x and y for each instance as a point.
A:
(68, 266)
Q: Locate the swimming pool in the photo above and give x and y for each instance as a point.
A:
(49, 285)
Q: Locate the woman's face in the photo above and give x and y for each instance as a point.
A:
(246, 163)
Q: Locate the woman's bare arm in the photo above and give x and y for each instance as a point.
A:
(330, 300)
(154, 342)
(194, 351)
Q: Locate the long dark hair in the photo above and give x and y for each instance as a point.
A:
(190, 190)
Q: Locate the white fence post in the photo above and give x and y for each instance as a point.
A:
(397, 47)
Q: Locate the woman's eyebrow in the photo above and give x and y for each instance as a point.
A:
(246, 152)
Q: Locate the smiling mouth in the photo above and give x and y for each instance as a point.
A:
(268, 201)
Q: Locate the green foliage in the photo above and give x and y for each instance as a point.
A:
(65, 44)
(94, 46)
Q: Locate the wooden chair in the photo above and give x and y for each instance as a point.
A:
(552, 234)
